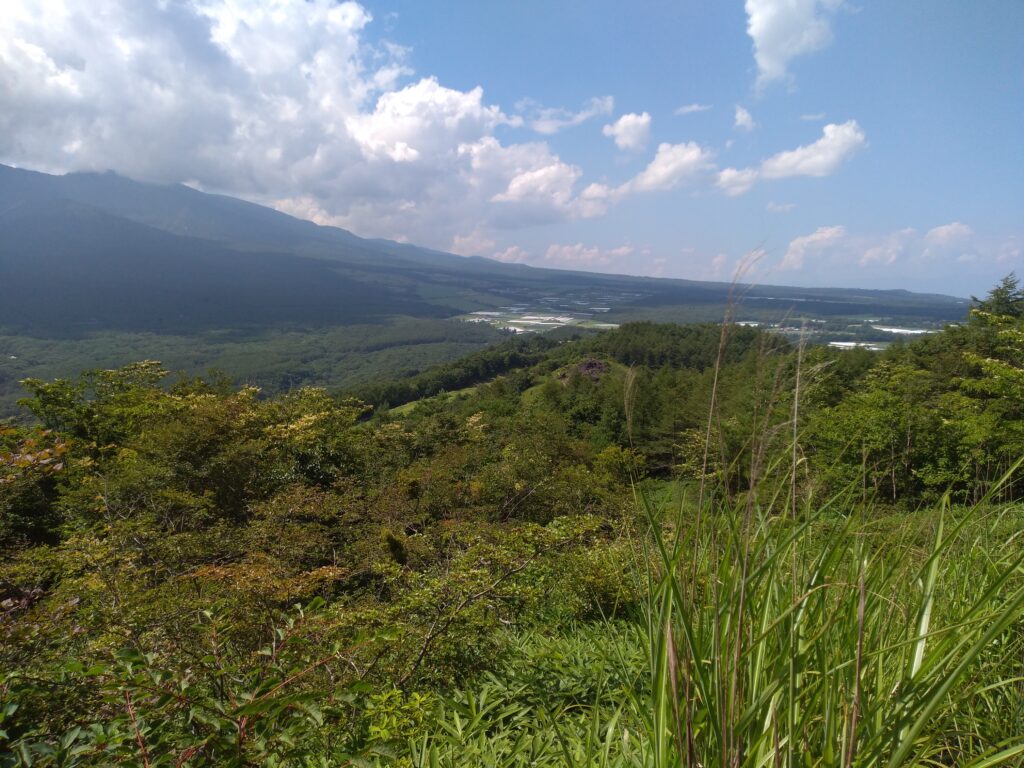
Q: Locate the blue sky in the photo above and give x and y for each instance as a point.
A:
(860, 144)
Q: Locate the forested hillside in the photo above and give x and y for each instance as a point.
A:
(657, 545)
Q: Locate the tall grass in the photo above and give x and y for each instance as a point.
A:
(832, 639)
(817, 641)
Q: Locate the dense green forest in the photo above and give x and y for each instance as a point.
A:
(274, 360)
(701, 545)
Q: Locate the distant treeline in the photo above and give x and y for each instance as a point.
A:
(656, 345)
(648, 344)
(477, 367)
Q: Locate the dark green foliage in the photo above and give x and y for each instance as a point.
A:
(480, 366)
(941, 414)
(1005, 300)
(30, 462)
(691, 346)
(276, 360)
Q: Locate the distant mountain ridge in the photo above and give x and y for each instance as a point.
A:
(177, 209)
(99, 251)
(67, 264)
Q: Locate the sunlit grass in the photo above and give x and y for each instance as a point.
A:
(826, 640)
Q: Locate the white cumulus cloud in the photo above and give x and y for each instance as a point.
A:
(672, 164)
(285, 102)
(630, 132)
(821, 158)
(782, 30)
(295, 103)
(422, 121)
(736, 181)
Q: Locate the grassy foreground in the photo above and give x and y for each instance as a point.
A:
(829, 640)
(840, 637)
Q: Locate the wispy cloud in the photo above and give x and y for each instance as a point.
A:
(550, 120)
(579, 255)
(689, 109)
(801, 247)
(942, 247)
(743, 120)
(947, 234)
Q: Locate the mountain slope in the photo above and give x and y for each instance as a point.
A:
(181, 210)
(68, 265)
